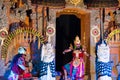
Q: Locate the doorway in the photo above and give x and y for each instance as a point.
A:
(64, 37)
(67, 27)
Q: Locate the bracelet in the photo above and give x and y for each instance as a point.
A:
(63, 52)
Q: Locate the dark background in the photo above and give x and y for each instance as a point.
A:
(67, 27)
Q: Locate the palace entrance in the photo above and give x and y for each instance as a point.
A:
(69, 23)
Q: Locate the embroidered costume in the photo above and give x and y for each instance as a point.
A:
(103, 63)
(75, 69)
(103, 69)
(17, 65)
(47, 64)
(44, 68)
(75, 72)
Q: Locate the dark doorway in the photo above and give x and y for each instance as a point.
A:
(67, 27)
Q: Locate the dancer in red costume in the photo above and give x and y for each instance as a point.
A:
(75, 69)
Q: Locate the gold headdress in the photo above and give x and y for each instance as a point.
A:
(77, 40)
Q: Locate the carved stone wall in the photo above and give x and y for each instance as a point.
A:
(8, 16)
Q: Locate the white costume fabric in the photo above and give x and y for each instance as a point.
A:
(103, 53)
(47, 66)
(103, 64)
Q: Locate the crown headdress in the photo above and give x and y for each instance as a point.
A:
(77, 40)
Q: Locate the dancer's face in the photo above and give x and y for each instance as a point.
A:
(77, 42)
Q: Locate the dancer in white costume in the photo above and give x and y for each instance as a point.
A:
(103, 64)
(47, 66)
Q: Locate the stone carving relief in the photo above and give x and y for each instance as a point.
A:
(76, 3)
(3, 16)
(117, 17)
(19, 12)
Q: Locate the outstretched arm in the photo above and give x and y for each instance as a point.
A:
(68, 50)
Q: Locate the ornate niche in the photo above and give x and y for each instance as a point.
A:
(85, 23)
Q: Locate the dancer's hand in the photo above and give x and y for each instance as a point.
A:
(71, 47)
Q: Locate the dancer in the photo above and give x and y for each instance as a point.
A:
(75, 69)
(47, 65)
(18, 64)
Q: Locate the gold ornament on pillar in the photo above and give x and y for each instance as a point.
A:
(27, 20)
(39, 43)
(20, 3)
(15, 1)
(84, 38)
(76, 2)
(119, 3)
